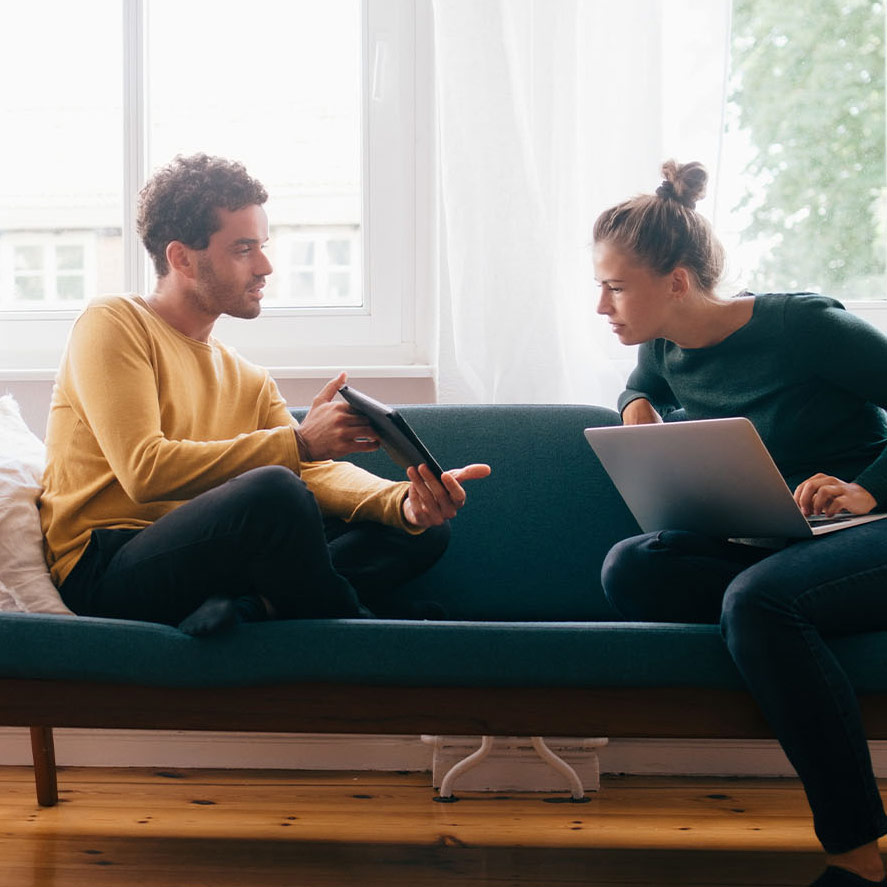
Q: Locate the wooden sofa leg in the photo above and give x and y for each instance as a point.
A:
(43, 750)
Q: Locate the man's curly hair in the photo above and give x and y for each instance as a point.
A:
(180, 202)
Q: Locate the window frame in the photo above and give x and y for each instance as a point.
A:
(390, 329)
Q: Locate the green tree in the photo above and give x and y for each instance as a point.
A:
(808, 82)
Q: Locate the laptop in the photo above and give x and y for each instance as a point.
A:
(711, 476)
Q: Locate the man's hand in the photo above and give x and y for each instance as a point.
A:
(640, 412)
(430, 502)
(331, 430)
(824, 494)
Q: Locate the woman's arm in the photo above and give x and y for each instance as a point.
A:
(647, 396)
(640, 412)
(848, 352)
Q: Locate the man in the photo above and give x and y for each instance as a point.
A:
(178, 488)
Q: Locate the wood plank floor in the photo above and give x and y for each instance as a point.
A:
(161, 828)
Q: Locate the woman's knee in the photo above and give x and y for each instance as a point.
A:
(627, 573)
(750, 611)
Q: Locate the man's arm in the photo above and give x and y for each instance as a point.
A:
(110, 381)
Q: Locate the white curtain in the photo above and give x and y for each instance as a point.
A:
(548, 112)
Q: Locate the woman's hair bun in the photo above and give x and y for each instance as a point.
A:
(683, 182)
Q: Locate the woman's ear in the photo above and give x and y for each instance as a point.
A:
(681, 282)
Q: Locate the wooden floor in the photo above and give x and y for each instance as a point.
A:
(136, 827)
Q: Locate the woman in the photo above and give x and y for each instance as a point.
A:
(813, 380)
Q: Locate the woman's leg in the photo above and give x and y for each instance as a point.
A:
(775, 615)
(673, 576)
(258, 534)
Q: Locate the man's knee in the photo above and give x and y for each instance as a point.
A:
(273, 488)
(428, 547)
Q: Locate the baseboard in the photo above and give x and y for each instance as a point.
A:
(139, 748)
(167, 748)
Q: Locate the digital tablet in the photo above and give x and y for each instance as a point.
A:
(396, 437)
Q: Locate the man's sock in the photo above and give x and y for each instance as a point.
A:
(835, 876)
(216, 614)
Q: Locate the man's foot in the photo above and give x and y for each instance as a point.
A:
(216, 614)
(835, 876)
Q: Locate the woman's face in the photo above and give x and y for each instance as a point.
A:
(637, 302)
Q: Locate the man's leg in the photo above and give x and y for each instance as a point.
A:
(377, 560)
(775, 614)
(258, 534)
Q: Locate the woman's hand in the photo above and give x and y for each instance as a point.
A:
(640, 412)
(430, 502)
(824, 494)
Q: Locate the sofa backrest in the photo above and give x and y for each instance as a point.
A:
(530, 542)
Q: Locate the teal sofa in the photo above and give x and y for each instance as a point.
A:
(529, 645)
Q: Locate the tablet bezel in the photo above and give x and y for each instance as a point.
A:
(396, 436)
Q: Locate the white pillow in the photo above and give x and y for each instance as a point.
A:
(25, 584)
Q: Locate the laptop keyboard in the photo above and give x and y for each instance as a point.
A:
(819, 520)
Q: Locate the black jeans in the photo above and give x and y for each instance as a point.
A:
(261, 533)
(774, 609)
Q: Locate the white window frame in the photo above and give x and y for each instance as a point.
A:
(390, 330)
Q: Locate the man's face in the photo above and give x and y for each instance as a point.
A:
(231, 271)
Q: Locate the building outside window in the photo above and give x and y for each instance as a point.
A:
(49, 269)
(314, 267)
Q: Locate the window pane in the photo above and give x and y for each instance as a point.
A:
(278, 88)
(29, 289)
(340, 286)
(339, 252)
(28, 258)
(60, 113)
(303, 289)
(805, 181)
(69, 257)
(70, 287)
(303, 252)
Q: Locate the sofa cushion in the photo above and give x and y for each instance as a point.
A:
(380, 652)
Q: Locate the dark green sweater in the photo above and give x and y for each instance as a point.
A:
(811, 377)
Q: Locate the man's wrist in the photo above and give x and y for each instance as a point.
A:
(304, 449)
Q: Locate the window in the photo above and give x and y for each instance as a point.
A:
(316, 98)
(803, 183)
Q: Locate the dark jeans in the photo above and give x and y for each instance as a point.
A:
(261, 533)
(774, 609)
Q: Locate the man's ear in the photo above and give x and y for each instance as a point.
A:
(181, 258)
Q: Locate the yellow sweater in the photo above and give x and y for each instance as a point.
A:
(144, 418)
